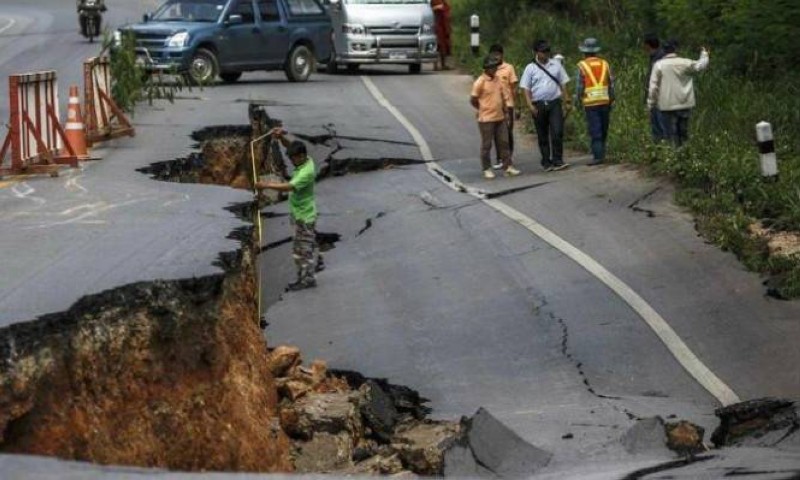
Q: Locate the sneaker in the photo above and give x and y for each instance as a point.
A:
(560, 166)
(301, 285)
(320, 266)
(498, 166)
(548, 168)
(488, 174)
(594, 163)
(512, 172)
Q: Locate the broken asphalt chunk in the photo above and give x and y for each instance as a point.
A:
(489, 448)
(756, 423)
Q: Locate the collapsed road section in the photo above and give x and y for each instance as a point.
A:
(176, 374)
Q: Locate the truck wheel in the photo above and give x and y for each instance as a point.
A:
(203, 68)
(230, 77)
(415, 68)
(299, 64)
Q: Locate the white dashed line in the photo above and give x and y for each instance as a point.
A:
(688, 360)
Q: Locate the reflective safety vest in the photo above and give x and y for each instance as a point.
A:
(596, 80)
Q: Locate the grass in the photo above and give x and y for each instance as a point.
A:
(717, 172)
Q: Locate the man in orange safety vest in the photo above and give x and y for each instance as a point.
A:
(595, 93)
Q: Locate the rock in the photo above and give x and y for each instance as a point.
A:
(379, 465)
(421, 445)
(647, 435)
(761, 422)
(378, 410)
(293, 389)
(365, 449)
(331, 413)
(319, 372)
(685, 438)
(282, 358)
(324, 453)
(488, 446)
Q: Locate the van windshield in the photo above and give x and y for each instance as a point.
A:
(363, 2)
(190, 11)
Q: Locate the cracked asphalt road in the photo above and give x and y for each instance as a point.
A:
(472, 310)
(440, 293)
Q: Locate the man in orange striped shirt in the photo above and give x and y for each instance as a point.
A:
(490, 98)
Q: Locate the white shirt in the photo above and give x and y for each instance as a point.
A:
(541, 86)
(671, 85)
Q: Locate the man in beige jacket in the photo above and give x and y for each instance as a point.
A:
(672, 90)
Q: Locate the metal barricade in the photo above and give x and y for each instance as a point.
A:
(103, 117)
(35, 139)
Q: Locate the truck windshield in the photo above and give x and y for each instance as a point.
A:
(364, 2)
(190, 11)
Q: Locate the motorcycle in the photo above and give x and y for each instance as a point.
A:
(90, 15)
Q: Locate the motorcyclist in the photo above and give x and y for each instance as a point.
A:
(85, 5)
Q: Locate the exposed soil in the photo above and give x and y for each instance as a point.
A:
(780, 243)
(158, 374)
(177, 374)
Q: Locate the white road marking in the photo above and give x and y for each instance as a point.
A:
(26, 193)
(11, 23)
(72, 184)
(93, 210)
(682, 353)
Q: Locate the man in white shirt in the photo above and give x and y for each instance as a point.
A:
(672, 90)
(544, 84)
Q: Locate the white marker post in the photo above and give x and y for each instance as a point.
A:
(766, 149)
(475, 34)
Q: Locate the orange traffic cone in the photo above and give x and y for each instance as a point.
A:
(75, 130)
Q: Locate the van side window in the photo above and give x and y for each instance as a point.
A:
(305, 7)
(245, 9)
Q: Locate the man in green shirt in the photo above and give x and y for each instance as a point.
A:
(302, 210)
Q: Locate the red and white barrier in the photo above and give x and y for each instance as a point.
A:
(35, 139)
(104, 119)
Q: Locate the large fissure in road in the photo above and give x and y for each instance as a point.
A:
(177, 374)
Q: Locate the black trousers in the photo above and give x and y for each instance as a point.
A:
(549, 125)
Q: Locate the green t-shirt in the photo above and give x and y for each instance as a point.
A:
(302, 204)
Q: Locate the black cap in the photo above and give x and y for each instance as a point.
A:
(491, 61)
(671, 46)
(541, 46)
(296, 148)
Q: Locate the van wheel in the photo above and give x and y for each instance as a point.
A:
(230, 77)
(299, 64)
(204, 68)
(415, 68)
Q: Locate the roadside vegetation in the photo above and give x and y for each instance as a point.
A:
(131, 83)
(752, 48)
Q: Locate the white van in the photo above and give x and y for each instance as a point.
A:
(382, 32)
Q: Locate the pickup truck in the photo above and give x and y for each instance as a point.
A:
(203, 39)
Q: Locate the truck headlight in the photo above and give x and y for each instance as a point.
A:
(427, 28)
(353, 29)
(116, 38)
(178, 40)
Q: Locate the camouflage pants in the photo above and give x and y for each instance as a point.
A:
(305, 251)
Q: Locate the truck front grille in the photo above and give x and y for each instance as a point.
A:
(388, 30)
(150, 40)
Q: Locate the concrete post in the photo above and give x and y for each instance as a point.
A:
(766, 149)
(475, 34)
